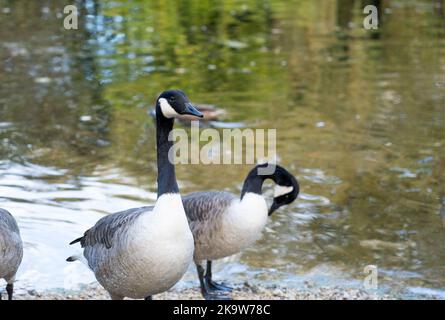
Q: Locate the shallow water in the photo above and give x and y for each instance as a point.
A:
(359, 118)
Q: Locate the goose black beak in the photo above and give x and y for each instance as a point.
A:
(190, 109)
(273, 207)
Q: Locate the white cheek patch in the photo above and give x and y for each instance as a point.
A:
(281, 190)
(167, 109)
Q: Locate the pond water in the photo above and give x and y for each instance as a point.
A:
(359, 114)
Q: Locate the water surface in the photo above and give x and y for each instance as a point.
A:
(359, 117)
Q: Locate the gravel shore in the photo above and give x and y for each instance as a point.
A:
(244, 292)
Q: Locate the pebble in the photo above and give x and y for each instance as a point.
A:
(246, 291)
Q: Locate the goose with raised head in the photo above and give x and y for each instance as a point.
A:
(11, 250)
(144, 251)
(224, 224)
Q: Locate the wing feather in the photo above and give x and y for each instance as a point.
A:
(204, 210)
(106, 229)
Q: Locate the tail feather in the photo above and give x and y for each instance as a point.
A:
(79, 257)
(72, 258)
(77, 240)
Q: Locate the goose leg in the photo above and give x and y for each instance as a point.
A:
(212, 285)
(10, 290)
(148, 298)
(207, 293)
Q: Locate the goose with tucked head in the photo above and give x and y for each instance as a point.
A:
(11, 250)
(223, 223)
(144, 251)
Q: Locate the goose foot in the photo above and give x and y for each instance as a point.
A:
(212, 285)
(148, 298)
(207, 292)
(10, 290)
(215, 295)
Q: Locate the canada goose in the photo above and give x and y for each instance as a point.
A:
(224, 224)
(11, 250)
(144, 251)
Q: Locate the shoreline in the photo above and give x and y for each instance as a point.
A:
(243, 292)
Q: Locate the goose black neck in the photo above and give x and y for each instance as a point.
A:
(254, 182)
(166, 170)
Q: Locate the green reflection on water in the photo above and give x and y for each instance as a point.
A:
(359, 114)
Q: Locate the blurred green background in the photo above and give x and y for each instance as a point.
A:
(359, 114)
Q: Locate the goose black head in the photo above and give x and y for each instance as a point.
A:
(172, 103)
(286, 188)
